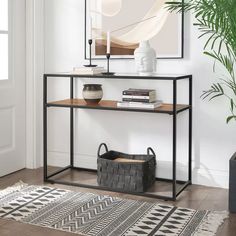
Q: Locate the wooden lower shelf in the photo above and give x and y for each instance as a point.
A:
(112, 105)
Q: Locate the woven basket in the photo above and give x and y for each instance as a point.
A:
(126, 176)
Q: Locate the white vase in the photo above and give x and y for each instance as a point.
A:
(145, 59)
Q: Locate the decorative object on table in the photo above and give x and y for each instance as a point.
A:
(108, 66)
(74, 212)
(140, 105)
(150, 22)
(139, 98)
(145, 59)
(90, 42)
(232, 184)
(88, 70)
(135, 174)
(92, 93)
(108, 55)
(139, 95)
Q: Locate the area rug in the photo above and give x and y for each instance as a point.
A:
(100, 215)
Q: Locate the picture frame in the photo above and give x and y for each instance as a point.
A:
(164, 30)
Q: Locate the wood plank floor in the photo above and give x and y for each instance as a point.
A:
(195, 196)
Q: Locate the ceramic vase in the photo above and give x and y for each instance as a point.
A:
(92, 93)
(145, 59)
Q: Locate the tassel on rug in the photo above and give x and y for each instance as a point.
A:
(14, 188)
(210, 223)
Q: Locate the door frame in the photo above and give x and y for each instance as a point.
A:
(34, 71)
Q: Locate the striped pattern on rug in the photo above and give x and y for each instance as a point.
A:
(100, 215)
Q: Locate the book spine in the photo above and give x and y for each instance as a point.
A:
(137, 93)
(137, 106)
(135, 100)
(86, 73)
(137, 97)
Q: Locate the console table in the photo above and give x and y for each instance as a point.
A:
(170, 109)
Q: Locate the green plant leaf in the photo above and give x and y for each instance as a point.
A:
(229, 118)
(216, 22)
(231, 104)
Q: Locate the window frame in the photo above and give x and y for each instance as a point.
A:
(8, 33)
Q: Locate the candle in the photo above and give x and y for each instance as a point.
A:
(108, 43)
(90, 28)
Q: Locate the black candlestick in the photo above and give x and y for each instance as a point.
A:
(90, 41)
(108, 55)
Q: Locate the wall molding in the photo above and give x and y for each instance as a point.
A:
(34, 70)
(212, 178)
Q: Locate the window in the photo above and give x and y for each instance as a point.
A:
(3, 39)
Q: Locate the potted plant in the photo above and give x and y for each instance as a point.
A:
(216, 21)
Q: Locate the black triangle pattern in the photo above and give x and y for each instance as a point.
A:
(53, 205)
(28, 203)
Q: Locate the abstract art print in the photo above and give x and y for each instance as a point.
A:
(130, 22)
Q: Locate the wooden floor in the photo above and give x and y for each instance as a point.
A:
(196, 197)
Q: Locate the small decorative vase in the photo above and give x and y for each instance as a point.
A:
(92, 93)
(145, 59)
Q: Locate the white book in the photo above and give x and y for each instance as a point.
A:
(87, 72)
(141, 105)
(80, 69)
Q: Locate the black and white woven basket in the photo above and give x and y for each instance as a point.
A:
(126, 176)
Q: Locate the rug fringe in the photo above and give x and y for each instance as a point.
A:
(211, 223)
(14, 188)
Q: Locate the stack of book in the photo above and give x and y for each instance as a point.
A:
(88, 70)
(139, 98)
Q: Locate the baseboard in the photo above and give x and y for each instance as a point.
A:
(61, 159)
(201, 176)
(213, 178)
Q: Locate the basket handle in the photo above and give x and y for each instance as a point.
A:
(151, 150)
(99, 148)
(153, 153)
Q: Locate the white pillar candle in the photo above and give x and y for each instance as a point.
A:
(108, 43)
(90, 28)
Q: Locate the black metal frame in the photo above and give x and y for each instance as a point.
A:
(115, 58)
(90, 42)
(175, 192)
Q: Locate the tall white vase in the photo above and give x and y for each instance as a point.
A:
(145, 59)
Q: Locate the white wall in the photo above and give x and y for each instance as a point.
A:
(213, 140)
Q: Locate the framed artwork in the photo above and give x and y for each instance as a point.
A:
(130, 22)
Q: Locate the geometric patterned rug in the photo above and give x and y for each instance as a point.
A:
(97, 215)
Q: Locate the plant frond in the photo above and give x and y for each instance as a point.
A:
(229, 118)
(216, 21)
(216, 90)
